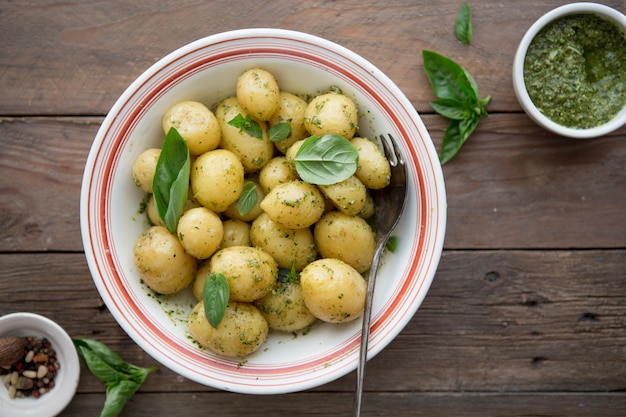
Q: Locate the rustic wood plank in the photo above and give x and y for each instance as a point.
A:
(374, 404)
(511, 186)
(77, 57)
(492, 321)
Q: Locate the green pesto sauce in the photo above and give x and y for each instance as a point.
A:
(575, 71)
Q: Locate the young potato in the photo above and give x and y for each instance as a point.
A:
(333, 291)
(162, 262)
(232, 212)
(285, 245)
(374, 170)
(251, 272)
(348, 195)
(144, 168)
(258, 93)
(294, 205)
(290, 156)
(253, 152)
(242, 331)
(200, 231)
(197, 125)
(284, 308)
(368, 210)
(290, 110)
(236, 233)
(153, 213)
(217, 179)
(331, 113)
(197, 287)
(349, 238)
(277, 171)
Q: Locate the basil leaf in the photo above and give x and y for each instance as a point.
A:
(392, 244)
(215, 294)
(248, 198)
(444, 75)
(98, 367)
(326, 159)
(117, 395)
(280, 131)
(455, 136)
(450, 107)
(171, 179)
(247, 124)
(463, 27)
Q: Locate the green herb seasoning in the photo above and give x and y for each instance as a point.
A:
(575, 71)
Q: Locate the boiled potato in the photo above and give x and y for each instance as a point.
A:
(251, 272)
(277, 171)
(197, 287)
(252, 151)
(348, 196)
(258, 93)
(294, 204)
(368, 210)
(232, 211)
(331, 113)
(333, 290)
(200, 231)
(162, 262)
(153, 213)
(286, 246)
(144, 167)
(349, 238)
(373, 170)
(236, 233)
(284, 308)
(197, 125)
(217, 179)
(290, 110)
(243, 329)
(290, 155)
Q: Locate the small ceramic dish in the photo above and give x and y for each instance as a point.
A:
(607, 13)
(66, 380)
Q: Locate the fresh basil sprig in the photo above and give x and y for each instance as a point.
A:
(171, 179)
(463, 26)
(326, 159)
(248, 198)
(457, 100)
(215, 295)
(280, 131)
(122, 379)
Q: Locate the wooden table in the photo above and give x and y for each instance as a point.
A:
(527, 312)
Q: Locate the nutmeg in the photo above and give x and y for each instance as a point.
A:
(11, 350)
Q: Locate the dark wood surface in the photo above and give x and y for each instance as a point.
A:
(527, 312)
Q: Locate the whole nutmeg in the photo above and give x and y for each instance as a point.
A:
(11, 350)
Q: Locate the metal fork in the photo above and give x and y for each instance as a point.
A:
(389, 205)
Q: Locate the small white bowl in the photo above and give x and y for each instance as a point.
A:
(524, 99)
(66, 380)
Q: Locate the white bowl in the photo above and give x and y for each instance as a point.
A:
(66, 381)
(519, 86)
(206, 70)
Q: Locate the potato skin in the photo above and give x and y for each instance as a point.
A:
(242, 331)
(295, 204)
(348, 196)
(349, 238)
(331, 113)
(236, 233)
(333, 291)
(374, 170)
(284, 308)
(200, 231)
(197, 125)
(251, 272)
(258, 93)
(144, 168)
(277, 171)
(253, 152)
(162, 262)
(283, 244)
(217, 179)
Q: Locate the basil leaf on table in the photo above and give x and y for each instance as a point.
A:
(248, 198)
(122, 379)
(171, 179)
(327, 159)
(463, 27)
(215, 295)
(457, 100)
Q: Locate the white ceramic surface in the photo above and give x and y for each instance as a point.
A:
(519, 86)
(54, 401)
(206, 70)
